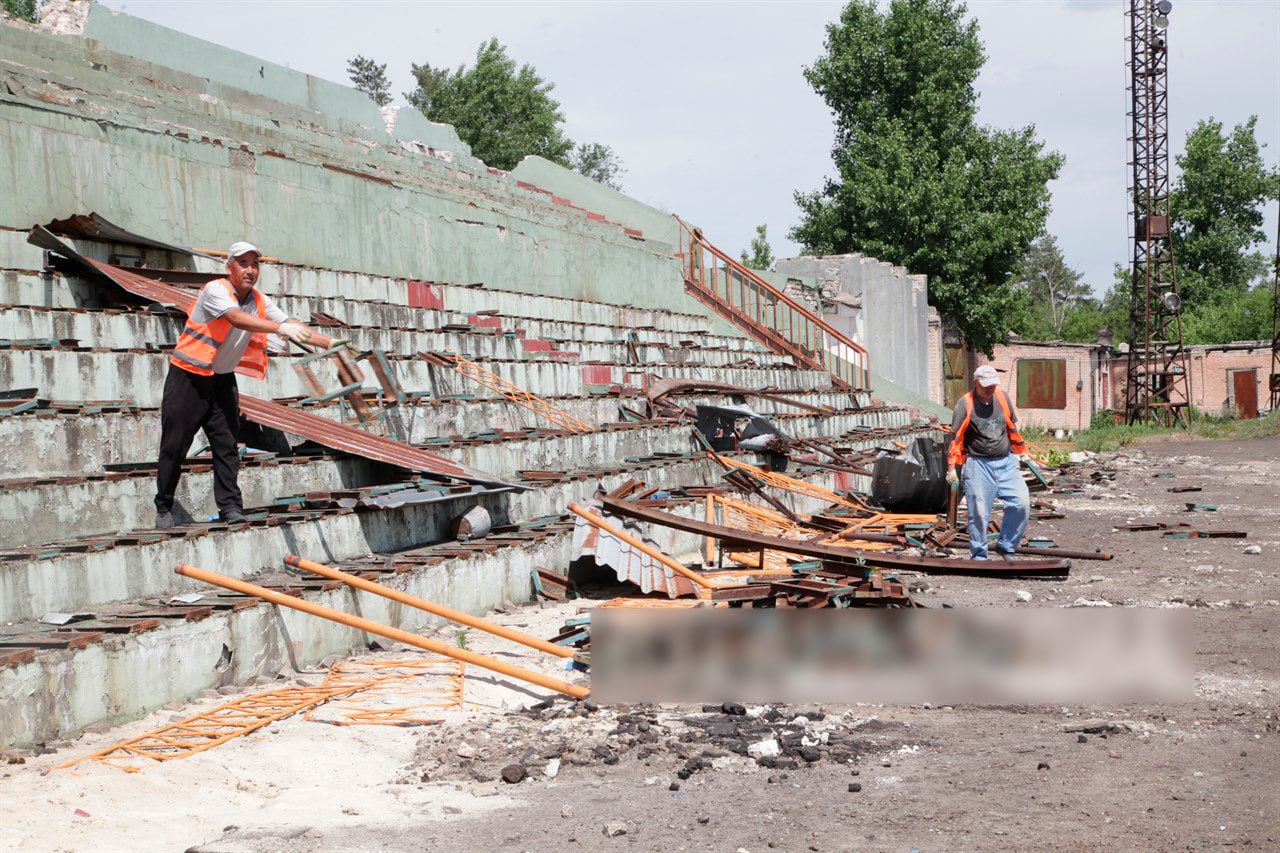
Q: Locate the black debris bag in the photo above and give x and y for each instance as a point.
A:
(717, 426)
(914, 480)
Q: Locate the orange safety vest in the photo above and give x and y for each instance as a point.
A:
(1016, 443)
(199, 343)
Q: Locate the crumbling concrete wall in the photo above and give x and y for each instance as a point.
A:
(176, 138)
(881, 306)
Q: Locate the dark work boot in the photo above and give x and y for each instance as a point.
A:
(164, 520)
(232, 516)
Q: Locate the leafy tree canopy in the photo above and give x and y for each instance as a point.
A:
(1217, 212)
(505, 113)
(371, 78)
(761, 255)
(598, 162)
(27, 10)
(919, 182)
(502, 111)
(1054, 291)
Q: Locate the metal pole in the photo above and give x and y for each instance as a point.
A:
(429, 606)
(399, 636)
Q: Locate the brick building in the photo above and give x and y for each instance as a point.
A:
(1225, 378)
(1060, 385)
(1053, 384)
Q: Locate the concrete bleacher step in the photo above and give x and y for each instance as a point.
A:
(75, 574)
(119, 330)
(356, 298)
(84, 374)
(78, 443)
(224, 639)
(25, 297)
(63, 507)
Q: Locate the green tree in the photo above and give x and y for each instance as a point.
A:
(371, 78)
(1216, 207)
(920, 183)
(1240, 317)
(598, 162)
(502, 111)
(1089, 316)
(761, 255)
(1054, 291)
(27, 10)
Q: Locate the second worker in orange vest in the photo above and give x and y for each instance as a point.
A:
(985, 451)
(225, 332)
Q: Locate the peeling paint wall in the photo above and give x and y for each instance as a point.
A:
(892, 321)
(170, 136)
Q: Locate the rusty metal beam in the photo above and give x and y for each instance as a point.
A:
(842, 556)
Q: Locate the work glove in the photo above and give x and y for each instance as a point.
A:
(953, 478)
(1024, 458)
(295, 332)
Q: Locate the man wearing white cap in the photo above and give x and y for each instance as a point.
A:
(227, 330)
(985, 450)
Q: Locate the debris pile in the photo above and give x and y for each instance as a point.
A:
(556, 738)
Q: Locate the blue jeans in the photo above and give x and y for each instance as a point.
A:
(985, 480)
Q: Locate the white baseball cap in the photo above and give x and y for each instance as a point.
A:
(986, 376)
(241, 248)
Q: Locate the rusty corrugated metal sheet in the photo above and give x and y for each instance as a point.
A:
(133, 283)
(165, 294)
(358, 442)
(95, 227)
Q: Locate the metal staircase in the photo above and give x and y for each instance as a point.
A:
(768, 315)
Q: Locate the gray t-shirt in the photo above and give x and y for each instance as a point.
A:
(987, 435)
(216, 300)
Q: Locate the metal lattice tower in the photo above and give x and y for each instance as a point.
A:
(1157, 386)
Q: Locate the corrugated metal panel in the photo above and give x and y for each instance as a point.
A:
(138, 285)
(629, 565)
(358, 442)
(165, 294)
(95, 227)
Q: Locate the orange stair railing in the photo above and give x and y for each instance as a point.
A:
(764, 312)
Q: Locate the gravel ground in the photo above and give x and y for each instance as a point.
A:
(1197, 775)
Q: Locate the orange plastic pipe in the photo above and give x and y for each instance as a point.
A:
(655, 554)
(381, 630)
(440, 610)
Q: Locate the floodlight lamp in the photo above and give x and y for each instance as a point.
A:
(1164, 7)
(1161, 22)
(1171, 302)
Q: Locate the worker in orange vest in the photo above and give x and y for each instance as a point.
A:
(986, 449)
(227, 331)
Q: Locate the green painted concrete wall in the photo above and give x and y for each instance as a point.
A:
(97, 124)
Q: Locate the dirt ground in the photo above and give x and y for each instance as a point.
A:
(1193, 776)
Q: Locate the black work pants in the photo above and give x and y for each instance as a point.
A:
(192, 403)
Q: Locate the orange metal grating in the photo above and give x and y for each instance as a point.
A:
(216, 726)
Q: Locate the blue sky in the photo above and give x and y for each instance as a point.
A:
(706, 104)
